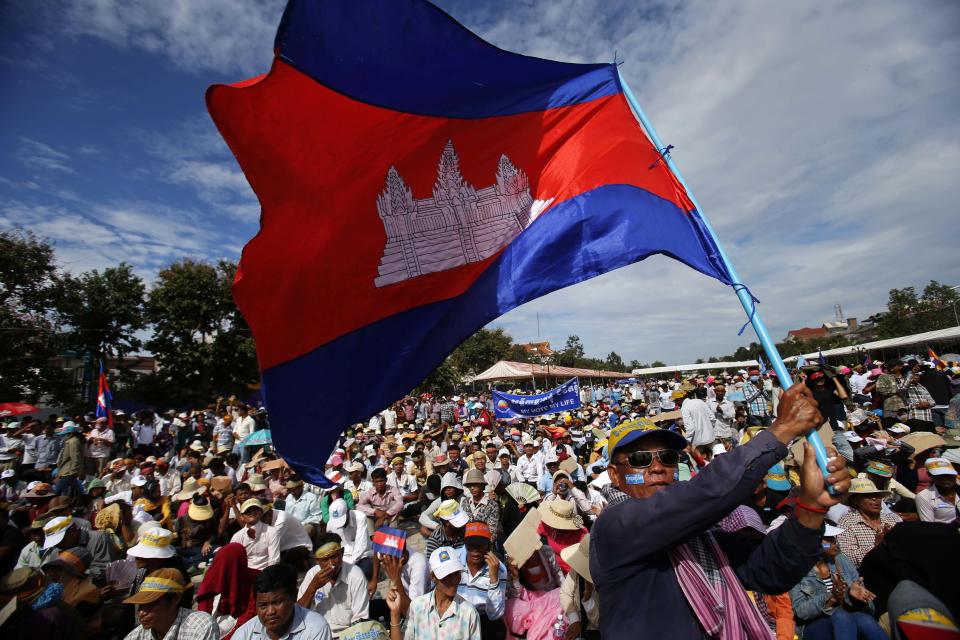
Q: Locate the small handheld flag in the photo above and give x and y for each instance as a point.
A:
(763, 366)
(937, 362)
(104, 398)
(390, 541)
(867, 361)
(820, 357)
(801, 362)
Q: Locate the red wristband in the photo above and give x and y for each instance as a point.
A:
(811, 508)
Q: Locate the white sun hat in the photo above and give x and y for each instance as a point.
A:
(155, 543)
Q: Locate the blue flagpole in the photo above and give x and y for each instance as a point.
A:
(769, 347)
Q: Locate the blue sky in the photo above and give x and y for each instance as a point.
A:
(821, 138)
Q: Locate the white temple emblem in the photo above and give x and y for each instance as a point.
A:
(458, 225)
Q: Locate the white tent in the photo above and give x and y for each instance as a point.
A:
(506, 370)
(923, 339)
(696, 367)
(929, 337)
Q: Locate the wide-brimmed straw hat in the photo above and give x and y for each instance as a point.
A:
(559, 514)
(189, 489)
(865, 487)
(578, 557)
(158, 584)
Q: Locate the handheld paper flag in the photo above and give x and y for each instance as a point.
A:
(104, 398)
(389, 541)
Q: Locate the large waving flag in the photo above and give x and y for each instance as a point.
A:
(417, 182)
(104, 397)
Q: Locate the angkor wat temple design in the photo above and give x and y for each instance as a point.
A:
(458, 225)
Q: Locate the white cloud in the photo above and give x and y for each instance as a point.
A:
(90, 235)
(215, 35)
(821, 139)
(39, 155)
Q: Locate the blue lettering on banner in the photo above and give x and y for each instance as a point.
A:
(633, 478)
(562, 398)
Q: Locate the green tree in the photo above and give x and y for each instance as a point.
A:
(104, 312)
(657, 363)
(614, 362)
(572, 354)
(31, 296)
(939, 304)
(199, 338)
(481, 350)
(901, 317)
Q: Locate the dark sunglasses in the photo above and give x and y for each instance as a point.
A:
(643, 459)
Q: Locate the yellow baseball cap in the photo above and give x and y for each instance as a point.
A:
(632, 430)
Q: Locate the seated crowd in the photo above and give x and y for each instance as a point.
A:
(437, 520)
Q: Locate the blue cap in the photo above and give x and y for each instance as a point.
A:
(777, 478)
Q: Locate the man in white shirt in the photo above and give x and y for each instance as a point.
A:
(938, 502)
(100, 442)
(292, 538)
(243, 426)
(356, 482)
(508, 470)
(304, 506)
(665, 397)
(697, 419)
(389, 418)
(530, 465)
(145, 430)
(351, 526)
(334, 588)
(405, 484)
(857, 383)
(260, 540)
(724, 413)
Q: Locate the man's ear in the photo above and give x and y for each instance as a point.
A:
(614, 475)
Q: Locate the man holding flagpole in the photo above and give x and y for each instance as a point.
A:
(653, 544)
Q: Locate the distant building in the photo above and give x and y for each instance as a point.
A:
(74, 363)
(538, 348)
(805, 334)
(848, 327)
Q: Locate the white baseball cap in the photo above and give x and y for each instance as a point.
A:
(54, 531)
(138, 481)
(940, 467)
(338, 514)
(8, 473)
(444, 561)
(450, 511)
(852, 436)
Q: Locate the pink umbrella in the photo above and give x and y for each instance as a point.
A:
(8, 409)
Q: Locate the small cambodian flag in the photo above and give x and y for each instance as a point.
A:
(868, 361)
(389, 541)
(104, 398)
(820, 357)
(936, 359)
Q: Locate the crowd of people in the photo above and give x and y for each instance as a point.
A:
(682, 508)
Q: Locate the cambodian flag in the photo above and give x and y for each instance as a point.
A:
(104, 398)
(417, 182)
(937, 362)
